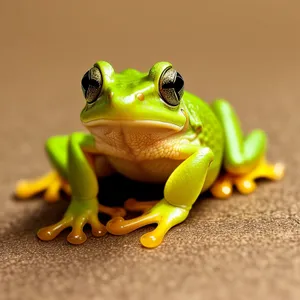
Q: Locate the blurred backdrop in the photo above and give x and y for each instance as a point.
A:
(244, 51)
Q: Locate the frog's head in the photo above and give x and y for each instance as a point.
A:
(151, 100)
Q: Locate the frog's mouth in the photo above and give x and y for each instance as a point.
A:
(135, 124)
(142, 123)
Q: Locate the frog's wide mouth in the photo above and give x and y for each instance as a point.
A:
(134, 123)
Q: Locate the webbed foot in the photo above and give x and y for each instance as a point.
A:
(51, 184)
(77, 215)
(245, 184)
(163, 214)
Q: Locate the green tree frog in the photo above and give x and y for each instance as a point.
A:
(148, 128)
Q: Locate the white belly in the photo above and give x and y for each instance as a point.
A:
(142, 154)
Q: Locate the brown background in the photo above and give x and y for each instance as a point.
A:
(245, 51)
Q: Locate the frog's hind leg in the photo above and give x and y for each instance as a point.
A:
(52, 183)
(139, 206)
(244, 157)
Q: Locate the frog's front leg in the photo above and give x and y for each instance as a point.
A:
(181, 191)
(244, 157)
(52, 183)
(76, 165)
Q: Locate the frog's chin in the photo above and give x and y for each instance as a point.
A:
(142, 124)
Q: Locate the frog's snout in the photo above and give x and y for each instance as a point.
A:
(121, 104)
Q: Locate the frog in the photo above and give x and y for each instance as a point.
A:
(147, 127)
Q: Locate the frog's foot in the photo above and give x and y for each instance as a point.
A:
(112, 211)
(136, 206)
(51, 184)
(245, 184)
(75, 217)
(163, 214)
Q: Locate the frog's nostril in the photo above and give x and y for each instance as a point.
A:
(140, 96)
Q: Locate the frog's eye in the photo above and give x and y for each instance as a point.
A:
(171, 87)
(91, 84)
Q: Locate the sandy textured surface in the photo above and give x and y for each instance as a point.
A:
(243, 248)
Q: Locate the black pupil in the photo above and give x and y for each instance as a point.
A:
(85, 82)
(93, 82)
(177, 85)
